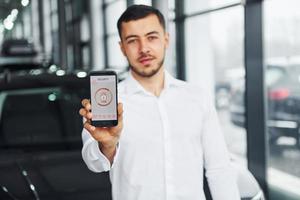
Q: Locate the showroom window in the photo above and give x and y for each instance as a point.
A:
(282, 76)
(194, 6)
(115, 58)
(214, 48)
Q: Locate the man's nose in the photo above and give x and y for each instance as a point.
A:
(144, 47)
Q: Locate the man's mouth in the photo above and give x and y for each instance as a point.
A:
(146, 60)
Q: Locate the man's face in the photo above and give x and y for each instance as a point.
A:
(144, 43)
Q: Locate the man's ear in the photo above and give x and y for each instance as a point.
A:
(122, 48)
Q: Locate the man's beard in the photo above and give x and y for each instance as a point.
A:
(145, 73)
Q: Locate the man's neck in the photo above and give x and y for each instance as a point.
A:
(153, 84)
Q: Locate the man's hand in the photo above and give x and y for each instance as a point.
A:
(107, 137)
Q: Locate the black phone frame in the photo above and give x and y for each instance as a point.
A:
(104, 123)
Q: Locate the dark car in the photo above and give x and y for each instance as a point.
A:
(283, 101)
(20, 54)
(40, 141)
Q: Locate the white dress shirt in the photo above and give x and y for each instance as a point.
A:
(165, 143)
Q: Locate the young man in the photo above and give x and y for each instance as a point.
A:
(170, 130)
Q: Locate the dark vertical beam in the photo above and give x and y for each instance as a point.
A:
(180, 39)
(74, 25)
(255, 100)
(41, 24)
(89, 15)
(29, 9)
(23, 27)
(62, 34)
(105, 34)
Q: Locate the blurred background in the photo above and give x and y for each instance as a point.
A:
(246, 52)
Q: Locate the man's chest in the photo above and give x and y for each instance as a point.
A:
(156, 120)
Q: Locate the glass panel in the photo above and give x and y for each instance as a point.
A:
(79, 7)
(171, 14)
(54, 5)
(70, 56)
(116, 59)
(111, 1)
(192, 6)
(85, 57)
(144, 2)
(170, 61)
(113, 12)
(282, 53)
(210, 64)
(171, 28)
(68, 10)
(84, 29)
(54, 21)
(171, 4)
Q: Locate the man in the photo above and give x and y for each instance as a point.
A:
(170, 130)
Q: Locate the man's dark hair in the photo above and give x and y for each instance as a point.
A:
(136, 12)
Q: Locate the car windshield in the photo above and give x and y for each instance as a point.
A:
(42, 117)
(274, 74)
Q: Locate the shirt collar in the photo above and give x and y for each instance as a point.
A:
(133, 86)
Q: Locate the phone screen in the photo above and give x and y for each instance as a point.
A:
(103, 98)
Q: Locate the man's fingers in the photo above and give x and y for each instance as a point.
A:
(84, 113)
(116, 130)
(98, 133)
(86, 104)
(89, 127)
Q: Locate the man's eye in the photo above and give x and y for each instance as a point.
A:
(152, 38)
(131, 41)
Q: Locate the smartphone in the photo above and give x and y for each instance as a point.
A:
(104, 98)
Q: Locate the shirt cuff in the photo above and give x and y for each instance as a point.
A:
(97, 155)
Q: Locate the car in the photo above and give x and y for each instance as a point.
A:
(21, 54)
(283, 103)
(40, 140)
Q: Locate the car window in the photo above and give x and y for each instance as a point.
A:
(274, 74)
(295, 73)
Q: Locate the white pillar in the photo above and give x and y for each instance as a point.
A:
(47, 28)
(163, 7)
(35, 23)
(97, 35)
(199, 52)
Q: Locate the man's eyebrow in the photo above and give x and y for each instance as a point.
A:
(152, 32)
(135, 36)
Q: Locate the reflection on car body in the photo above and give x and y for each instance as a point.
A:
(40, 141)
(20, 54)
(283, 103)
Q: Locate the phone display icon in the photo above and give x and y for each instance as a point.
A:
(103, 97)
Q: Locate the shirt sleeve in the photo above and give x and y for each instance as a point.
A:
(222, 178)
(95, 160)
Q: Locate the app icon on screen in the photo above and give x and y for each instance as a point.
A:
(103, 96)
